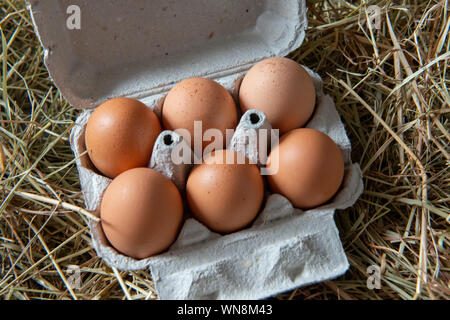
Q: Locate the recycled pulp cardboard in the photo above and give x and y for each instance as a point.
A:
(139, 49)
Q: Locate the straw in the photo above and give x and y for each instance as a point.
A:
(390, 86)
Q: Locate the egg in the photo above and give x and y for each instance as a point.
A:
(224, 193)
(141, 213)
(306, 167)
(199, 99)
(282, 89)
(120, 135)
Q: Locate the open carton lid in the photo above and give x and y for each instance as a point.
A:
(139, 48)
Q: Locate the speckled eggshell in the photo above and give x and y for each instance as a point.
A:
(120, 135)
(141, 213)
(225, 197)
(199, 99)
(282, 89)
(308, 168)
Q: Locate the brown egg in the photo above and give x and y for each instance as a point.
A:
(282, 89)
(199, 99)
(120, 135)
(225, 197)
(308, 168)
(141, 213)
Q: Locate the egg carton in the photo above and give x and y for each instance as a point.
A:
(284, 247)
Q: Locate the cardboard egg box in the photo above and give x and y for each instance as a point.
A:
(140, 49)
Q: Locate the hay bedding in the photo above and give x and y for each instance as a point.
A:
(390, 88)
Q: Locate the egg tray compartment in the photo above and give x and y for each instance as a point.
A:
(282, 249)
